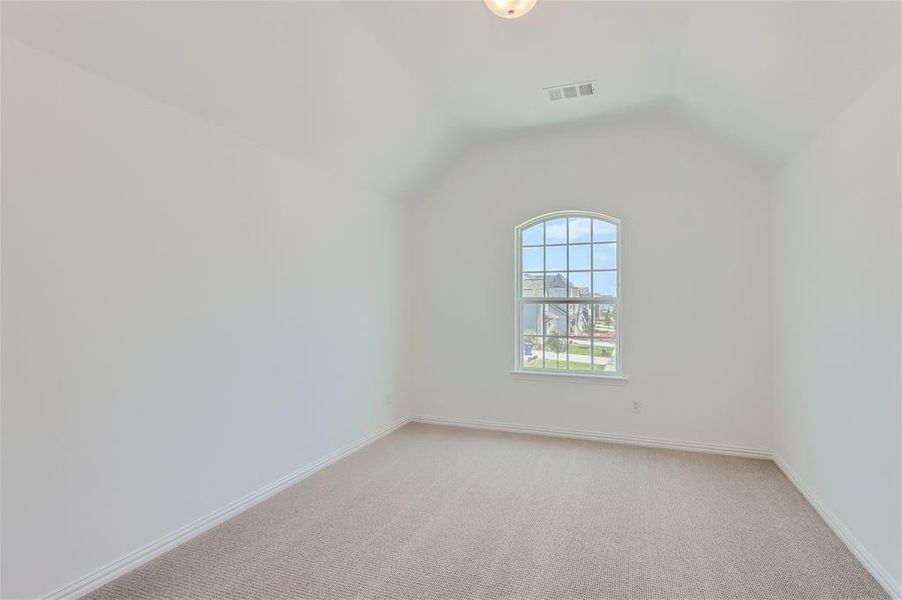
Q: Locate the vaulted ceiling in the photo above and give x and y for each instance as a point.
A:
(383, 92)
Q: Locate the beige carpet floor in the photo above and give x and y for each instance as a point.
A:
(443, 512)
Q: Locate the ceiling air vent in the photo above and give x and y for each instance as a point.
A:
(570, 91)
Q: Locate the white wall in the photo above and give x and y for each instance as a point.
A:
(182, 324)
(695, 282)
(837, 321)
(182, 319)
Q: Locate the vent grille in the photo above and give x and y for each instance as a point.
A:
(570, 91)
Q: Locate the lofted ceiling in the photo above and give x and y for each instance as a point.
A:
(768, 73)
(383, 92)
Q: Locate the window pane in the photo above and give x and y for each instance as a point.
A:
(532, 285)
(580, 230)
(531, 319)
(580, 321)
(535, 235)
(532, 259)
(603, 357)
(556, 285)
(605, 337)
(605, 322)
(531, 330)
(555, 319)
(602, 231)
(555, 351)
(556, 231)
(604, 283)
(532, 352)
(604, 256)
(579, 258)
(556, 258)
(580, 283)
(579, 355)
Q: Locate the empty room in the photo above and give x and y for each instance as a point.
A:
(475, 299)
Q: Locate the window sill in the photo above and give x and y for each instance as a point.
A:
(530, 375)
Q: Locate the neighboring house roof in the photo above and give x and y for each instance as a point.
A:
(532, 281)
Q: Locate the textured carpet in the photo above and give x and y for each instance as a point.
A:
(443, 512)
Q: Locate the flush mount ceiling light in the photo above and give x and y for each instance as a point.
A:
(510, 9)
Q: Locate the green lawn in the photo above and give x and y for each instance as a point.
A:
(585, 350)
(562, 364)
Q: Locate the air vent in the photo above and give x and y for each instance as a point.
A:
(570, 91)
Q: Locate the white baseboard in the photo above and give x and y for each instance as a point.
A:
(870, 563)
(125, 564)
(131, 561)
(616, 438)
(867, 560)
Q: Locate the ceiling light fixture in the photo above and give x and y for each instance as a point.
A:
(510, 9)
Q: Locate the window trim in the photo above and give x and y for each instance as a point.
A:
(519, 370)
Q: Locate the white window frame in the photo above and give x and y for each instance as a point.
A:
(519, 300)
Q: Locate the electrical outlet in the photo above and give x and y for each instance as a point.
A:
(636, 406)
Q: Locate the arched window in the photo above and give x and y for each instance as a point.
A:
(568, 283)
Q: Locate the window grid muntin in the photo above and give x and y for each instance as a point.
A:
(567, 300)
(568, 334)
